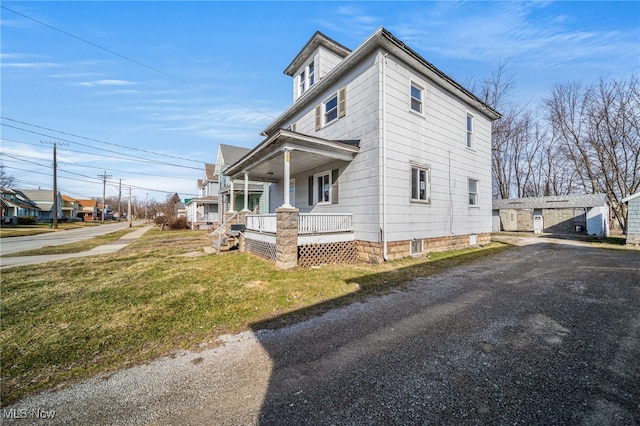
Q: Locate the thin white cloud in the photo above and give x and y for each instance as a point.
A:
(105, 83)
(352, 21)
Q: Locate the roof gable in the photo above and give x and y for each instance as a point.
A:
(318, 39)
(381, 40)
(631, 197)
(231, 154)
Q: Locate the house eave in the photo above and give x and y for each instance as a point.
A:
(382, 39)
(282, 140)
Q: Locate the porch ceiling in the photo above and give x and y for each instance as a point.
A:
(266, 161)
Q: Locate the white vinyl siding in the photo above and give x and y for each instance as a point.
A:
(434, 138)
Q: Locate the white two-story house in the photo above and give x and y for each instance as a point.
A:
(393, 153)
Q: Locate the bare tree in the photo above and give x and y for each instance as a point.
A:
(597, 129)
(6, 181)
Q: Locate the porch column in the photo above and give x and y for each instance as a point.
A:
(246, 192)
(287, 178)
(231, 197)
(286, 237)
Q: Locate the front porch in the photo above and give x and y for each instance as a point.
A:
(289, 238)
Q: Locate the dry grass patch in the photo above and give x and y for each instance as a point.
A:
(76, 318)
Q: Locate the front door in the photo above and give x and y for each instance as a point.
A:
(538, 224)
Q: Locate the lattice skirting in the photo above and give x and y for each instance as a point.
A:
(261, 249)
(318, 254)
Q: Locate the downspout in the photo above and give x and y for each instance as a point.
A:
(383, 143)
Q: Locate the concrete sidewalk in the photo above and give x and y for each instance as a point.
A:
(6, 262)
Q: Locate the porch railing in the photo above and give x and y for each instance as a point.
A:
(262, 222)
(322, 223)
(308, 223)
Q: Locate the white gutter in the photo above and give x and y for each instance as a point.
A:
(383, 143)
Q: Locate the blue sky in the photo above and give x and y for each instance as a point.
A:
(147, 90)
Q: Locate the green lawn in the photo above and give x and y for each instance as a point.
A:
(76, 318)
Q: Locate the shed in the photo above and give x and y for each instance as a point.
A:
(633, 218)
(564, 214)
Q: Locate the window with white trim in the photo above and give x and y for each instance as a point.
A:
(311, 76)
(469, 131)
(302, 82)
(322, 187)
(417, 93)
(473, 192)
(420, 184)
(306, 78)
(330, 109)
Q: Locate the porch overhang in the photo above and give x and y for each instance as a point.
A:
(265, 162)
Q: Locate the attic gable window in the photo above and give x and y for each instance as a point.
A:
(306, 78)
(302, 82)
(311, 74)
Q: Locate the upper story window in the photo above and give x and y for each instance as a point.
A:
(311, 76)
(302, 81)
(417, 93)
(420, 185)
(306, 78)
(333, 108)
(473, 192)
(470, 126)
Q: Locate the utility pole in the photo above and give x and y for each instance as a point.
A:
(119, 202)
(104, 177)
(55, 185)
(129, 209)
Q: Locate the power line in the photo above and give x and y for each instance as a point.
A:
(101, 155)
(100, 141)
(21, 158)
(171, 76)
(99, 149)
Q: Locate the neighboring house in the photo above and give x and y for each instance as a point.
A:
(70, 207)
(44, 200)
(633, 218)
(380, 156)
(108, 212)
(181, 210)
(231, 191)
(88, 210)
(16, 204)
(202, 212)
(563, 214)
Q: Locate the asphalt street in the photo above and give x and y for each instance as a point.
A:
(60, 237)
(542, 334)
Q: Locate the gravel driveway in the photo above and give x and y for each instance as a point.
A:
(540, 334)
